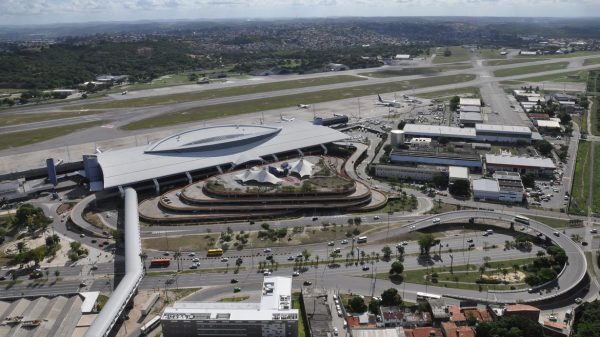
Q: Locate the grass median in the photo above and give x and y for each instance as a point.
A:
(591, 61)
(25, 118)
(457, 54)
(416, 71)
(569, 76)
(22, 138)
(219, 93)
(581, 189)
(249, 106)
(537, 68)
(511, 61)
(472, 91)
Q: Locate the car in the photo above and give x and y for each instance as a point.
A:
(552, 318)
(578, 300)
(335, 331)
(307, 283)
(83, 284)
(94, 267)
(413, 227)
(291, 258)
(344, 242)
(584, 243)
(556, 233)
(196, 259)
(471, 245)
(593, 231)
(530, 290)
(82, 235)
(376, 217)
(470, 240)
(337, 250)
(267, 250)
(266, 273)
(337, 307)
(365, 267)
(192, 254)
(331, 243)
(233, 280)
(237, 289)
(436, 220)
(193, 266)
(269, 257)
(296, 273)
(225, 259)
(94, 241)
(166, 254)
(314, 218)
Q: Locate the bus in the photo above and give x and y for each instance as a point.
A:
(214, 252)
(427, 296)
(361, 239)
(151, 325)
(522, 219)
(160, 262)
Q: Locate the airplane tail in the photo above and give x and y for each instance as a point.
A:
(379, 97)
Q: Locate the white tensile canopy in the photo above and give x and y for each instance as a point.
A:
(302, 167)
(259, 175)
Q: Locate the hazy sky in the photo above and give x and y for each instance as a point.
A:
(51, 11)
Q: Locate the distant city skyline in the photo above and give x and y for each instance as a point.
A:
(31, 12)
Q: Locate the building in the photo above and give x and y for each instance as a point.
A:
(389, 332)
(470, 118)
(402, 57)
(215, 147)
(547, 126)
(524, 310)
(480, 133)
(273, 316)
(536, 165)
(502, 133)
(439, 131)
(510, 186)
(399, 317)
(472, 161)
(423, 332)
(456, 316)
(470, 102)
(318, 312)
(449, 329)
(457, 172)
(413, 173)
(486, 189)
(470, 108)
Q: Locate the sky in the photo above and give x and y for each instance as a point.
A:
(31, 12)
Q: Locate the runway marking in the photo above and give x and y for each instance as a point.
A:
(108, 126)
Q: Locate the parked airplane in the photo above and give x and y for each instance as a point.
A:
(409, 99)
(303, 106)
(286, 119)
(383, 102)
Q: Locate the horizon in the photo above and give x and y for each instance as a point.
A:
(48, 12)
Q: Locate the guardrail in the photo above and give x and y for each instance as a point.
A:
(114, 307)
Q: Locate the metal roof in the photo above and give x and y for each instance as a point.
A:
(458, 172)
(493, 159)
(510, 129)
(208, 147)
(486, 185)
(470, 101)
(438, 131)
(548, 124)
(471, 116)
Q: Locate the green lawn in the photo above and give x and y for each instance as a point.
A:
(581, 189)
(218, 93)
(416, 71)
(595, 60)
(596, 182)
(243, 107)
(301, 323)
(462, 277)
(552, 222)
(16, 139)
(459, 54)
(510, 61)
(24, 118)
(491, 54)
(569, 76)
(593, 110)
(472, 91)
(234, 299)
(530, 69)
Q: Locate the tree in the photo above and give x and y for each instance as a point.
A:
(486, 260)
(400, 249)
(544, 147)
(374, 306)
(357, 304)
(454, 102)
(391, 298)
(397, 268)
(510, 326)
(401, 125)
(447, 52)
(306, 254)
(588, 325)
(528, 180)
(56, 273)
(387, 252)
(440, 180)
(460, 187)
(426, 241)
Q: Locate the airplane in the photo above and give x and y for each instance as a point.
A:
(409, 99)
(286, 119)
(303, 106)
(383, 102)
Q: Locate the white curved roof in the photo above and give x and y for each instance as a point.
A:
(164, 158)
(259, 175)
(302, 167)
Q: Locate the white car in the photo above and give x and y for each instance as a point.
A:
(267, 250)
(195, 259)
(296, 273)
(436, 220)
(192, 254)
(331, 243)
(376, 217)
(344, 242)
(335, 331)
(266, 273)
(224, 259)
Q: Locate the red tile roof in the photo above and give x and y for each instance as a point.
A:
(455, 314)
(449, 329)
(555, 325)
(465, 331)
(520, 307)
(426, 332)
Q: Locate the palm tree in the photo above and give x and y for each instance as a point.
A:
(57, 273)
(516, 267)
(482, 270)
(177, 257)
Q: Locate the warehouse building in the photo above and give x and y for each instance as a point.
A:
(410, 157)
(470, 118)
(480, 133)
(470, 102)
(536, 165)
(470, 108)
(414, 173)
(439, 131)
(457, 172)
(272, 317)
(502, 133)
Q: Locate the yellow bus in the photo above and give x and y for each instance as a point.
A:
(215, 252)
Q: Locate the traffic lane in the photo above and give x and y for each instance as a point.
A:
(43, 289)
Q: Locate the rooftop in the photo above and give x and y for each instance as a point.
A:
(438, 131)
(458, 172)
(471, 117)
(486, 185)
(549, 124)
(493, 159)
(209, 147)
(470, 101)
(510, 129)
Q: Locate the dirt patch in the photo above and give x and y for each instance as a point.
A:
(63, 208)
(511, 277)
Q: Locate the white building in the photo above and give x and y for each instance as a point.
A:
(486, 189)
(272, 317)
(458, 172)
(535, 165)
(414, 173)
(470, 102)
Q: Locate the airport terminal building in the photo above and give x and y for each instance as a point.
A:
(215, 149)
